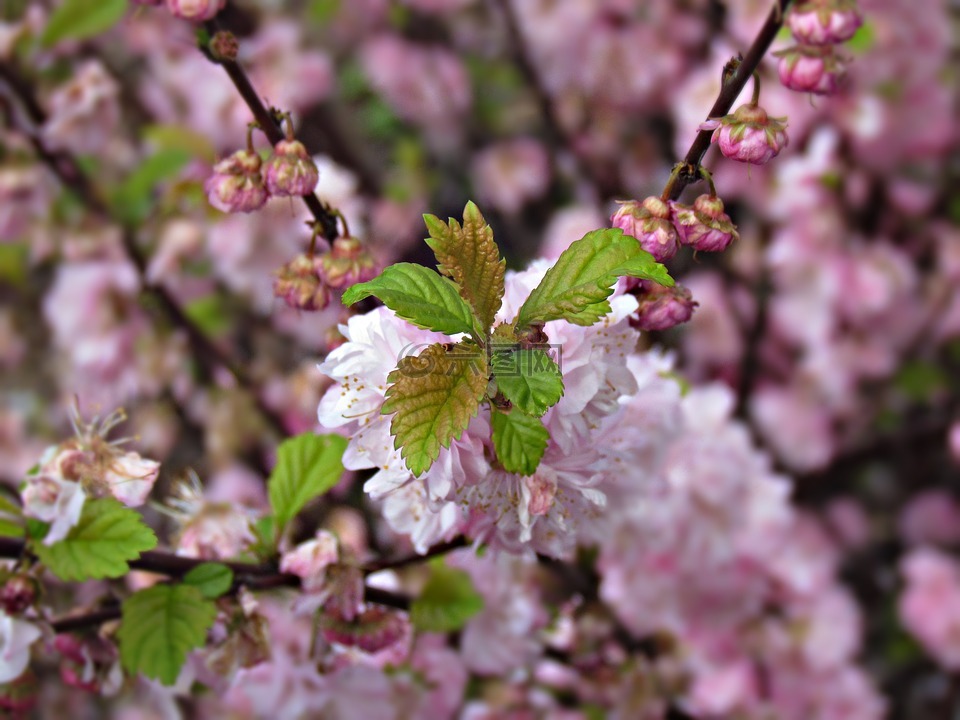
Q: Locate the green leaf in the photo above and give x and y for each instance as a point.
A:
(210, 313)
(80, 19)
(307, 467)
(447, 601)
(100, 544)
(576, 288)
(179, 137)
(471, 258)
(419, 296)
(519, 440)
(159, 626)
(434, 395)
(8, 528)
(211, 579)
(132, 200)
(529, 379)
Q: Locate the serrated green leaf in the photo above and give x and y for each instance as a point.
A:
(469, 256)
(447, 601)
(434, 395)
(529, 379)
(307, 467)
(419, 296)
(132, 199)
(576, 288)
(106, 537)
(519, 441)
(159, 626)
(79, 19)
(211, 579)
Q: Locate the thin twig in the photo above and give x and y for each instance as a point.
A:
(325, 217)
(729, 91)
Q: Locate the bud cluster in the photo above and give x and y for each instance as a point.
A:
(307, 282)
(662, 226)
(243, 182)
(813, 64)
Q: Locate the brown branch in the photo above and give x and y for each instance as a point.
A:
(68, 171)
(436, 550)
(729, 91)
(252, 576)
(268, 124)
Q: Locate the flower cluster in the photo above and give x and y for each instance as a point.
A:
(243, 182)
(818, 26)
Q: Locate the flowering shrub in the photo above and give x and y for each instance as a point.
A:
(612, 446)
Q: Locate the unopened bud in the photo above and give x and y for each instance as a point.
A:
(236, 184)
(661, 307)
(290, 171)
(811, 68)
(824, 22)
(18, 593)
(704, 225)
(19, 696)
(224, 45)
(750, 135)
(298, 284)
(374, 630)
(651, 224)
(347, 264)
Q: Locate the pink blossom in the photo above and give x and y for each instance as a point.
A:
(16, 637)
(131, 478)
(511, 173)
(930, 604)
(54, 500)
(931, 517)
(83, 113)
(195, 10)
(309, 560)
(424, 84)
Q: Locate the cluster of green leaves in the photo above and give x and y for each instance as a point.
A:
(434, 395)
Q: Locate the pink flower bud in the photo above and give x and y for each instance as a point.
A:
(810, 68)
(347, 264)
(704, 226)
(290, 171)
(299, 285)
(20, 695)
(196, 10)
(18, 593)
(824, 22)
(374, 630)
(236, 184)
(650, 223)
(660, 307)
(750, 135)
